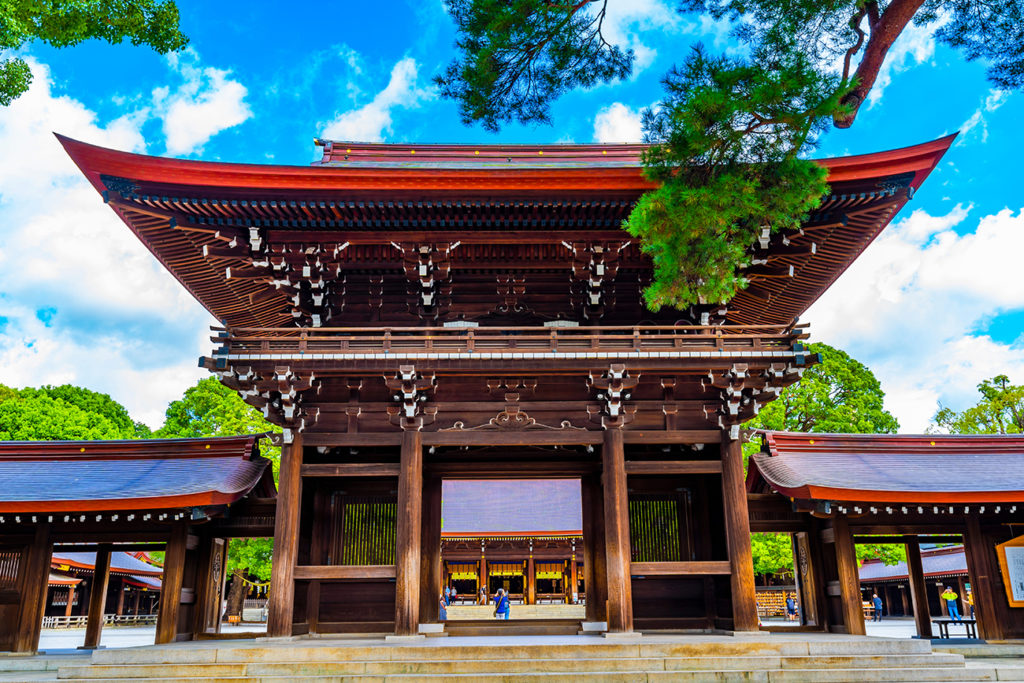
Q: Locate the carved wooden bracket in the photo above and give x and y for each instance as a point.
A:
(280, 396)
(743, 392)
(614, 385)
(594, 266)
(428, 269)
(412, 389)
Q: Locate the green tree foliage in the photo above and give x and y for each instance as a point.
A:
(839, 395)
(209, 408)
(65, 412)
(1000, 411)
(63, 23)
(730, 132)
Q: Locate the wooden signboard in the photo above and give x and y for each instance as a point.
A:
(1011, 561)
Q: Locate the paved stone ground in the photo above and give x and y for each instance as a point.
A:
(58, 640)
(460, 612)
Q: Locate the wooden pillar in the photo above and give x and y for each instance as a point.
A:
(903, 590)
(849, 581)
(986, 582)
(574, 579)
(97, 598)
(170, 590)
(808, 585)
(531, 581)
(594, 574)
(918, 590)
(408, 535)
(483, 576)
(71, 600)
(737, 534)
(616, 533)
(34, 571)
(120, 598)
(135, 600)
(281, 601)
(431, 573)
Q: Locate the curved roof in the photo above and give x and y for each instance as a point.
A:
(145, 474)
(888, 468)
(934, 561)
(196, 216)
(121, 562)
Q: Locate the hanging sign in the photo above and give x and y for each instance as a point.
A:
(1011, 561)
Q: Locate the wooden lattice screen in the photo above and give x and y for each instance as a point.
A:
(658, 528)
(364, 530)
(9, 569)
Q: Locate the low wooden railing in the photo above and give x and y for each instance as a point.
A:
(362, 340)
(80, 621)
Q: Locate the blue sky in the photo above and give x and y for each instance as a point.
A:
(933, 307)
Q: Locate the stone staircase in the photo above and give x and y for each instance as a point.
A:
(585, 658)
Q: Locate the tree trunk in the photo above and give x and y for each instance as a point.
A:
(236, 596)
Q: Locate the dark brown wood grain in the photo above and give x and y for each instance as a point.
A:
(97, 597)
(173, 581)
(737, 530)
(849, 581)
(616, 533)
(286, 540)
(408, 535)
(33, 576)
(918, 590)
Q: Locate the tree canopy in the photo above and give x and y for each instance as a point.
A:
(65, 412)
(63, 23)
(1000, 411)
(208, 408)
(730, 133)
(838, 395)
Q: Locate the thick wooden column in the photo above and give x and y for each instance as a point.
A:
(281, 601)
(616, 533)
(986, 582)
(574, 579)
(737, 534)
(918, 594)
(531, 581)
(170, 590)
(431, 573)
(34, 571)
(483, 576)
(594, 575)
(71, 601)
(97, 598)
(408, 535)
(849, 581)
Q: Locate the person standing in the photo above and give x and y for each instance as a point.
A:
(501, 609)
(483, 595)
(876, 602)
(442, 609)
(790, 608)
(447, 595)
(970, 602)
(950, 597)
(455, 594)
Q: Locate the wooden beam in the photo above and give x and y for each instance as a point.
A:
(343, 571)
(352, 439)
(616, 533)
(849, 581)
(97, 598)
(903, 539)
(352, 469)
(408, 535)
(173, 580)
(510, 469)
(34, 574)
(918, 590)
(671, 436)
(512, 438)
(673, 467)
(680, 568)
(737, 533)
(286, 540)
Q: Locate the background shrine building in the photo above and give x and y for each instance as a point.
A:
(414, 314)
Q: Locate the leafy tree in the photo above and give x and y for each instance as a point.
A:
(63, 23)
(209, 408)
(730, 133)
(1000, 411)
(63, 413)
(839, 395)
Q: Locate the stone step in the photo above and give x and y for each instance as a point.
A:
(879, 675)
(498, 667)
(323, 650)
(15, 663)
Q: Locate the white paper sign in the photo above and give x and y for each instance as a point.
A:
(1015, 571)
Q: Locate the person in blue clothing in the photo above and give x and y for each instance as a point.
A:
(791, 614)
(447, 595)
(501, 604)
(442, 608)
(950, 597)
(876, 602)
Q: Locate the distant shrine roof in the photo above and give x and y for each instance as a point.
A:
(247, 240)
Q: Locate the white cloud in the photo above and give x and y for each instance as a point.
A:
(915, 45)
(910, 308)
(975, 127)
(618, 123)
(372, 121)
(208, 102)
(624, 23)
(81, 299)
